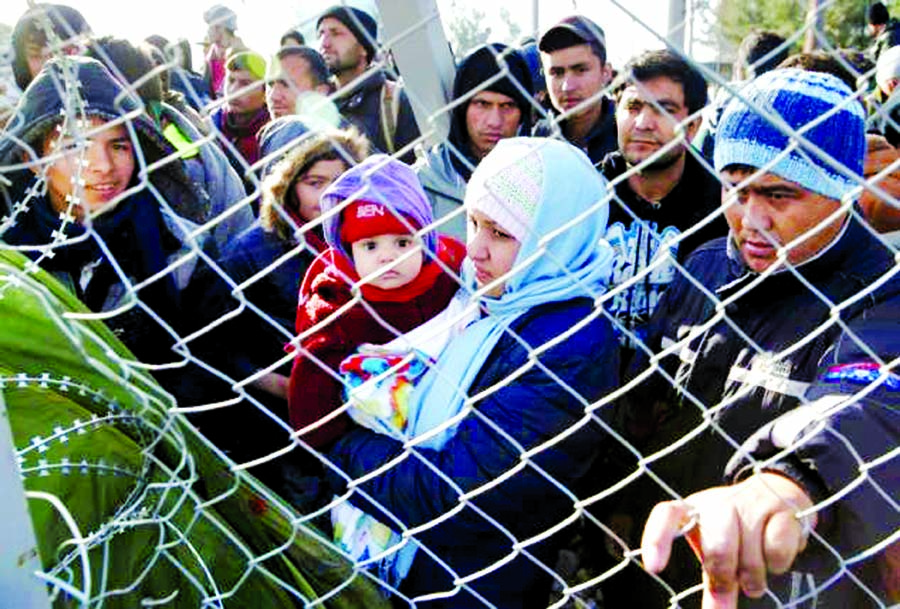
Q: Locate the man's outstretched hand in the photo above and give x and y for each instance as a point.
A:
(738, 532)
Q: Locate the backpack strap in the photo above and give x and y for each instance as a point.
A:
(389, 111)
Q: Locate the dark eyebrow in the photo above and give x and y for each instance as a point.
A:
(776, 188)
(733, 183)
(488, 223)
(668, 102)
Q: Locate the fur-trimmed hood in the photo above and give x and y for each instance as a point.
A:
(347, 144)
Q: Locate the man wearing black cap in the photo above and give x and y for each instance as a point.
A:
(882, 28)
(573, 53)
(377, 106)
(488, 110)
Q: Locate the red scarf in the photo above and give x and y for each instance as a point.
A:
(313, 237)
(450, 251)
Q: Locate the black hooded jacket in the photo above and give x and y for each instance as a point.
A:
(476, 73)
(136, 261)
(445, 169)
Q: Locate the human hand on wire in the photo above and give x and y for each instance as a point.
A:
(740, 533)
(881, 157)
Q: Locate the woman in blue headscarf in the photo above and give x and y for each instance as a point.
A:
(526, 375)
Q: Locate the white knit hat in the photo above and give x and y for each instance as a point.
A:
(888, 67)
(218, 14)
(507, 185)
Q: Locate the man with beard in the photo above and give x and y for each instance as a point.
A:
(783, 342)
(666, 200)
(294, 72)
(489, 108)
(366, 97)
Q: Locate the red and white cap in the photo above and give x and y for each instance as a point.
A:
(364, 219)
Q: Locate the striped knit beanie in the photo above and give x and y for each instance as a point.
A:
(822, 143)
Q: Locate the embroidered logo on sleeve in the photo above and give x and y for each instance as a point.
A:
(862, 373)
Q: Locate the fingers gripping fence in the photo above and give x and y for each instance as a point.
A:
(188, 434)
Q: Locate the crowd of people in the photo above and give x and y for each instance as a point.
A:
(598, 277)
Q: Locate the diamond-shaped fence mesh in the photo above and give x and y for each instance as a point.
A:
(249, 360)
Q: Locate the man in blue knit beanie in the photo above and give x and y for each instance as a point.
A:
(778, 336)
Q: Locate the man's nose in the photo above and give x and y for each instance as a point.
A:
(756, 215)
(494, 117)
(98, 158)
(645, 119)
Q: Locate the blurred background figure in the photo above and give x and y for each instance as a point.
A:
(221, 41)
(882, 28)
(760, 51)
(244, 111)
(42, 31)
(292, 37)
(882, 169)
(180, 73)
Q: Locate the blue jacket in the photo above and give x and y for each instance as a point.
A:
(275, 294)
(788, 355)
(532, 409)
(445, 186)
(213, 176)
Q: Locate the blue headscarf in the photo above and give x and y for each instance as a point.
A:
(562, 256)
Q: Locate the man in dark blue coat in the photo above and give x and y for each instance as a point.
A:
(777, 343)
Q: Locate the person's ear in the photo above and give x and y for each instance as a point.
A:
(31, 161)
(607, 74)
(692, 126)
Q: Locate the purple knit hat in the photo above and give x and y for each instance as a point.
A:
(380, 179)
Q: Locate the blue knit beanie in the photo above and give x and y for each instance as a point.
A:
(824, 132)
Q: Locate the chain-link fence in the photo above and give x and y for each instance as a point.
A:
(222, 392)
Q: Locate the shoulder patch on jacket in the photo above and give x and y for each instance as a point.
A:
(861, 373)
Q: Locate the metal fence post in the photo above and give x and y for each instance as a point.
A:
(413, 31)
(18, 550)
